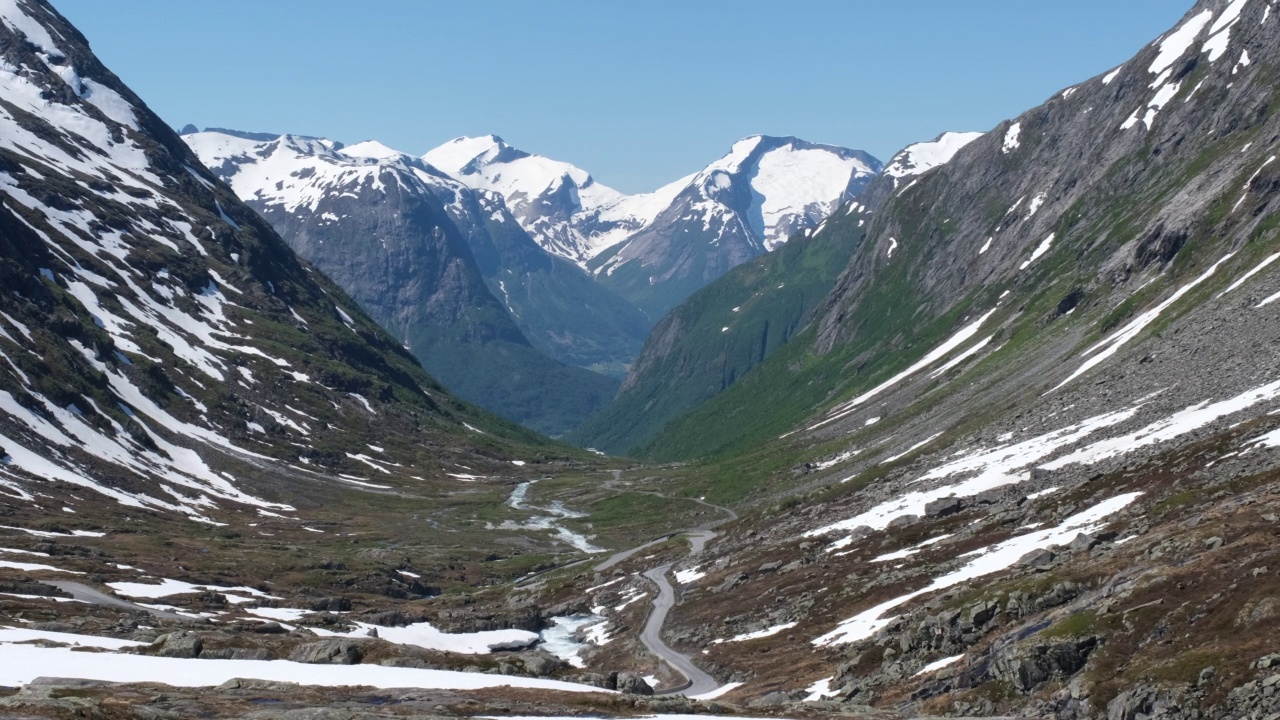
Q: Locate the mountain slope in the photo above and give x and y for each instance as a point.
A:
(559, 308)
(703, 346)
(162, 348)
(373, 220)
(1024, 460)
(1096, 199)
(739, 207)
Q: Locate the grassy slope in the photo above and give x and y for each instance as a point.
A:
(763, 304)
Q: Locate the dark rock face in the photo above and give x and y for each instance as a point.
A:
(1039, 663)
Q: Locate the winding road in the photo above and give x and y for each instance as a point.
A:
(86, 594)
(699, 682)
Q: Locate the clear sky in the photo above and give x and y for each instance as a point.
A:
(638, 92)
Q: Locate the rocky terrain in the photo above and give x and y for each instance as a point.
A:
(1016, 455)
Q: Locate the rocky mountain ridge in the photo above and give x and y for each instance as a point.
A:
(162, 347)
(407, 243)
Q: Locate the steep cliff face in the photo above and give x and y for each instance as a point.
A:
(386, 227)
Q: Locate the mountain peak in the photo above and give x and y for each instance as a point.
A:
(372, 149)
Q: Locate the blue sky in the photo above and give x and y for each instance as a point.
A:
(638, 93)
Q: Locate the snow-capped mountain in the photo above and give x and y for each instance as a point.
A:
(656, 248)
(739, 207)
(560, 205)
(446, 268)
(163, 349)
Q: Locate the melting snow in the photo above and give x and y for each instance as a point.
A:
(1011, 139)
(168, 588)
(767, 632)
(991, 559)
(1179, 41)
(20, 664)
(1112, 344)
(1041, 249)
(986, 469)
(820, 690)
(938, 665)
(425, 635)
(935, 355)
(684, 577)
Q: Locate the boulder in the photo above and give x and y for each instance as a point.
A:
(991, 496)
(542, 664)
(181, 644)
(331, 651)
(1083, 543)
(902, 521)
(1029, 666)
(633, 684)
(1039, 557)
(943, 507)
(516, 644)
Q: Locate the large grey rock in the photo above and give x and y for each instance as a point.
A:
(633, 684)
(943, 507)
(331, 651)
(542, 664)
(181, 644)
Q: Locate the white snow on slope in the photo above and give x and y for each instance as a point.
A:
(1176, 44)
(20, 664)
(425, 635)
(991, 559)
(757, 634)
(921, 157)
(20, 634)
(1167, 428)
(1111, 345)
(1041, 249)
(527, 182)
(1005, 464)
(1220, 32)
(933, 356)
(1012, 139)
(1254, 271)
(795, 187)
(938, 665)
(169, 588)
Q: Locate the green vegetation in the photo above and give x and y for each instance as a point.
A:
(724, 330)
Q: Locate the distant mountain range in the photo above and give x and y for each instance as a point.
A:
(507, 273)
(446, 269)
